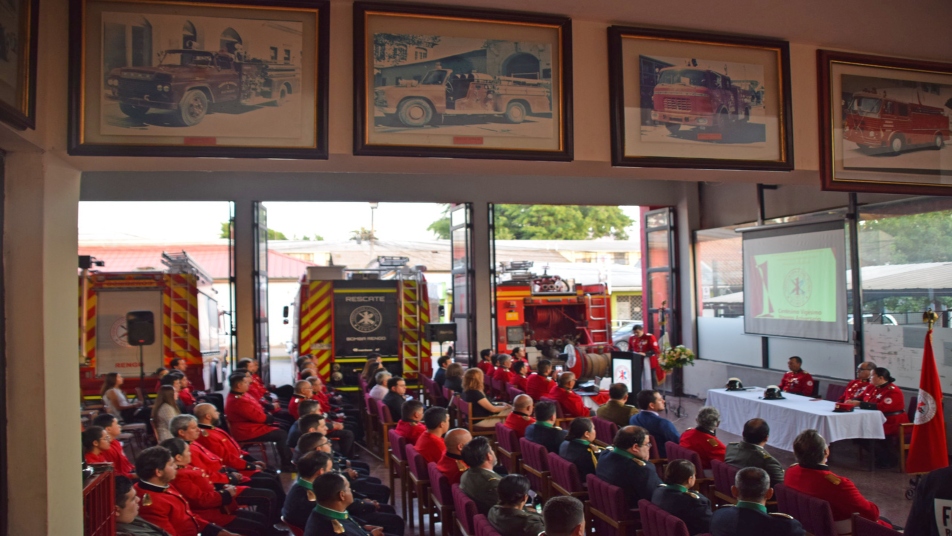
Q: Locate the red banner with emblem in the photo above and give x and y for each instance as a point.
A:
(928, 450)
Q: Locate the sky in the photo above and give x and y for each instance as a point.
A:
(200, 221)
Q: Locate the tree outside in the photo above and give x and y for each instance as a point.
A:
(550, 222)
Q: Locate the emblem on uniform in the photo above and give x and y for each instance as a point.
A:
(311, 497)
(712, 442)
(204, 433)
(146, 500)
(338, 528)
(888, 401)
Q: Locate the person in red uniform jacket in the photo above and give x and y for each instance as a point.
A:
(645, 343)
(855, 389)
(797, 380)
(451, 464)
(221, 443)
(115, 454)
(248, 421)
(813, 477)
(521, 416)
(185, 393)
(702, 439)
(502, 372)
(410, 427)
(302, 391)
(519, 355)
(485, 363)
(538, 384)
(572, 404)
(430, 445)
(164, 506)
(95, 442)
(518, 378)
(883, 395)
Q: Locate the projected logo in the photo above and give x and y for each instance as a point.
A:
(797, 287)
(365, 319)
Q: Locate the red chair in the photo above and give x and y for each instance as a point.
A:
(465, 511)
(499, 389)
(513, 392)
(441, 500)
(724, 476)
(464, 414)
(814, 514)
(834, 392)
(605, 431)
(654, 520)
(535, 465)
(384, 422)
(507, 443)
(371, 432)
(418, 477)
(677, 452)
(864, 527)
(436, 395)
(426, 389)
(295, 530)
(609, 509)
(483, 527)
(564, 478)
(398, 465)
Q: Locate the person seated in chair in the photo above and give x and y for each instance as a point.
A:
(617, 409)
(886, 397)
(430, 444)
(485, 362)
(452, 464)
(454, 378)
(538, 384)
(480, 482)
(503, 373)
(333, 495)
(300, 499)
(521, 416)
(128, 522)
(379, 391)
(544, 431)
(563, 516)
(797, 380)
(578, 447)
(572, 404)
(626, 465)
(703, 439)
(440, 375)
(749, 516)
(302, 391)
(510, 517)
(96, 441)
(751, 452)
(651, 403)
(115, 455)
(853, 393)
(410, 427)
(248, 421)
(396, 396)
(518, 380)
(676, 498)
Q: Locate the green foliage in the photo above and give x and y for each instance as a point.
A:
(913, 239)
(362, 234)
(441, 227)
(272, 234)
(393, 47)
(225, 230)
(550, 222)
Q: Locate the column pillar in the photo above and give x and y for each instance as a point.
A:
(244, 277)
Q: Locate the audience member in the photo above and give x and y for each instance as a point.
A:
(300, 499)
(813, 477)
(521, 416)
(931, 513)
(751, 452)
(115, 400)
(797, 380)
(884, 395)
(617, 409)
(302, 391)
(518, 378)
(305, 408)
(371, 369)
(454, 378)
(480, 482)
(163, 411)
(519, 355)
(503, 373)
(578, 448)
(115, 455)
(440, 375)
(396, 396)
(95, 442)
(651, 403)
(174, 379)
(509, 517)
(563, 516)
(430, 444)
(473, 392)
(703, 439)
(572, 404)
(749, 516)
(544, 431)
(452, 464)
(128, 522)
(380, 390)
(410, 425)
(538, 384)
(676, 498)
(853, 394)
(485, 362)
(248, 421)
(626, 465)
(333, 495)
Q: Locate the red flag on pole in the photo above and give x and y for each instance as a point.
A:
(928, 450)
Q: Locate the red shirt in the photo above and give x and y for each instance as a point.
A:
(518, 422)
(186, 396)
(431, 447)
(409, 430)
(219, 443)
(800, 383)
(95, 458)
(487, 368)
(257, 388)
(537, 386)
(452, 468)
(209, 462)
(705, 444)
(168, 510)
(837, 490)
(854, 390)
(572, 404)
(645, 344)
(293, 406)
(503, 375)
(518, 381)
(246, 418)
(117, 457)
(193, 484)
(888, 399)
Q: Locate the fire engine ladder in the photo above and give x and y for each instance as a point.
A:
(181, 266)
(597, 308)
(411, 300)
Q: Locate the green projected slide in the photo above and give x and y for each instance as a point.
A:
(798, 285)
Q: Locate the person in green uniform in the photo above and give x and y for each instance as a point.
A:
(509, 517)
(480, 482)
(333, 495)
(751, 453)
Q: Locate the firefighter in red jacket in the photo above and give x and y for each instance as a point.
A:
(222, 444)
(883, 395)
(248, 421)
(521, 416)
(162, 505)
(452, 464)
(797, 381)
(572, 404)
(855, 389)
(702, 439)
(646, 343)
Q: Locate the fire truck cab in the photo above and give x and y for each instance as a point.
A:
(875, 122)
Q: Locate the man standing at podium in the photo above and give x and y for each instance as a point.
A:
(647, 345)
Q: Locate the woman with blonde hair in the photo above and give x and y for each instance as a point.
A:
(163, 411)
(482, 407)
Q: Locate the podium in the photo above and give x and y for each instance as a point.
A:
(627, 368)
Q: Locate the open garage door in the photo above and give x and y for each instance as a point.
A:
(660, 261)
(461, 244)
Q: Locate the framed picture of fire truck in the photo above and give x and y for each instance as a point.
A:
(198, 79)
(693, 100)
(448, 82)
(884, 124)
(18, 37)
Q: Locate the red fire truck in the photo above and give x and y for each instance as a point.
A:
(875, 122)
(700, 98)
(563, 320)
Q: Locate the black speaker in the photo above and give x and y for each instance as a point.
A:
(140, 328)
(441, 332)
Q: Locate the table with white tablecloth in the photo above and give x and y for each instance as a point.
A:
(793, 414)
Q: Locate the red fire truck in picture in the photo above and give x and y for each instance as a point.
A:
(876, 122)
(695, 97)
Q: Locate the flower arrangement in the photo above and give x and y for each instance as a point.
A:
(676, 357)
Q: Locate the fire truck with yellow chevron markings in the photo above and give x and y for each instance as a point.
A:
(340, 316)
(187, 324)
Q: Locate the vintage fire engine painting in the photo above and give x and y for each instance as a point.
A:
(885, 123)
(682, 99)
(201, 77)
(447, 82)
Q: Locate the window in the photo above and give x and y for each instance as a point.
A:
(628, 309)
(287, 55)
(274, 53)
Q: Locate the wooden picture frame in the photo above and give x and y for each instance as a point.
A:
(19, 20)
(234, 79)
(466, 83)
(884, 124)
(697, 100)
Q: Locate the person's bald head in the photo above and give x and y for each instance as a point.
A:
(456, 439)
(206, 413)
(523, 404)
